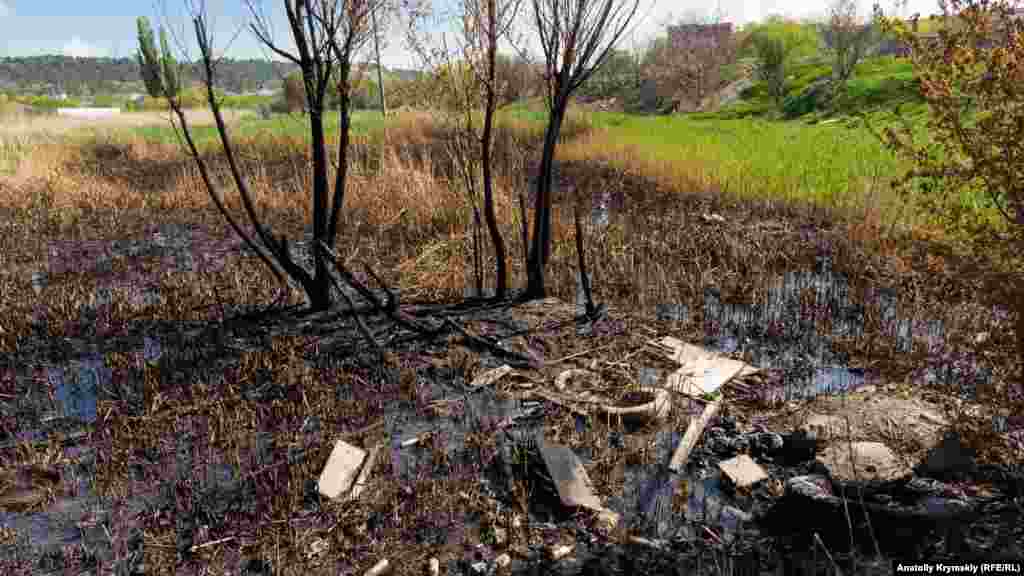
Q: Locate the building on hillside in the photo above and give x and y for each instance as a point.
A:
(691, 36)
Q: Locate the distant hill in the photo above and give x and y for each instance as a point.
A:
(54, 73)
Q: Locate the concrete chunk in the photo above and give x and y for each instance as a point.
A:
(863, 461)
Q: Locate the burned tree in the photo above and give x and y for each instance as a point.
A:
(576, 36)
(469, 80)
(326, 34)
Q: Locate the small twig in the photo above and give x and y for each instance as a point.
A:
(391, 309)
(817, 540)
(489, 345)
(712, 534)
(211, 543)
(583, 353)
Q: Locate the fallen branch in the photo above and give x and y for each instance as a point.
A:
(521, 360)
(360, 324)
(390, 309)
(583, 353)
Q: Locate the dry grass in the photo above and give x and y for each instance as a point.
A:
(66, 205)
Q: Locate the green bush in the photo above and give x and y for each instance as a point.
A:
(47, 103)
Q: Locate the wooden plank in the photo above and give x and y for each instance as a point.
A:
(693, 432)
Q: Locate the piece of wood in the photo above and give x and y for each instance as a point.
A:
(693, 432)
(570, 477)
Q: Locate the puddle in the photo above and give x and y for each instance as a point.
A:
(797, 345)
(76, 388)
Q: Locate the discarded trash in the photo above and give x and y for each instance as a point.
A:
(702, 372)
(559, 551)
(743, 471)
(574, 487)
(568, 474)
(490, 377)
(340, 470)
(503, 560)
(378, 568)
(639, 406)
(652, 404)
(433, 567)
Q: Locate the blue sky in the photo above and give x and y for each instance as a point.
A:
(107, 27)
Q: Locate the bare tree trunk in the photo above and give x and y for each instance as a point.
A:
(320, 296)
(501, 270)
(540, 248)
(380, 74)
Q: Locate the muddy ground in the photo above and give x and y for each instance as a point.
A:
(150, 485)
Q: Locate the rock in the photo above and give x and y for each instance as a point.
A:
(924, 486)
(742, 471)
(766, 443)
(316, 548)
(433, 567)
(949, 460)
(824, 427)
(479, 567)
(490, 377)
(875, 417)
(503, 560)
(814, 487)
(340, 471)
(863, 461)
(799, 446)
(732, 519)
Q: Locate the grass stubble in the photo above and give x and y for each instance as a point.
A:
(167, 425)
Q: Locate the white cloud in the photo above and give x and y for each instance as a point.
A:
(79, 48)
